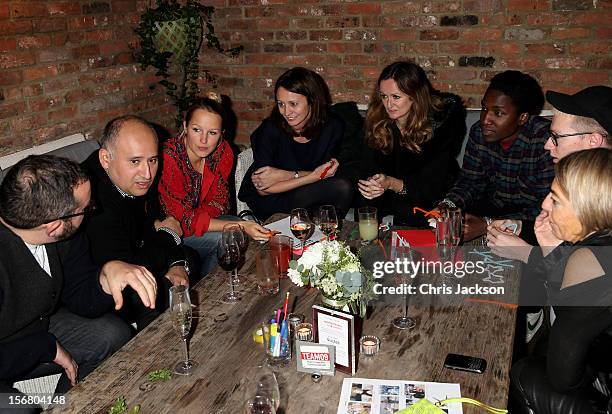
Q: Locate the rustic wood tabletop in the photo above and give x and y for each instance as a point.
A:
(221, 343)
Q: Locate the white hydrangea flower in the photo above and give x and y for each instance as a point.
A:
(295, 277)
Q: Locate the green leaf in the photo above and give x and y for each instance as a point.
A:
(160, 375)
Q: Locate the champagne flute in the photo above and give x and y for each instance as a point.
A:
(228, 254)
(328, 220)
(301, 225)
(403, 253)
(242, 239)
(180, 308)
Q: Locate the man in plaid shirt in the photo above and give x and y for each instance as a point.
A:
(506, 171)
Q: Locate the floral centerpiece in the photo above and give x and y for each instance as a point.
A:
(331, 267)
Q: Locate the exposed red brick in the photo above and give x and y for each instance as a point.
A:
(62, 114)
(7, 77)
(16, 59)
(99, 35)
(545, 48)
(34, 42)
(474, 34)
(324, 35)
(600, 63)
(577, 48)
(570, 33)
(39, 72)
(311, 48)
(8, 110)
(42, 104)
(4, 11)
(13, 27)
(334, 22)
(343, 47)
(363, 8)
(64, 8)
(456, 47)
(439, 34)
(528, 5)
(7, 44)
(590, 78)
(400, 7)
(565, 63)
(32, 90)
(28, 9)
(399, 34)
(441, 7)
(50, 25)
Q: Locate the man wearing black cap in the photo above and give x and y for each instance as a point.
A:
(581, 121)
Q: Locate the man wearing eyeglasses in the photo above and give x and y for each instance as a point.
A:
(54, 302)
(128, 224)
(580, 121)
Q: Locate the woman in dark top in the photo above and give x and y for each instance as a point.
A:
(573, 266)
(413, 134)
(294, 150)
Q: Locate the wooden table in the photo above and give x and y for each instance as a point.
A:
(222, 344)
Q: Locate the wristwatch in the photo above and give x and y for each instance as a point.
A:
(296, 174)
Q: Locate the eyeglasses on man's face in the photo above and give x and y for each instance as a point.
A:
(555, 137)
(86, 211)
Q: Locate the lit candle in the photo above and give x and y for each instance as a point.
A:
(304, 332)
(370, 345)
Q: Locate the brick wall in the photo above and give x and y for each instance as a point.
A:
(67, 66)
(565, 44)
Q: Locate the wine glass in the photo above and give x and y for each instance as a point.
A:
(259, 404)
(403, 254)
(228, 254)
(328, 220)
(261, 381)
(180, 308)
(301, 225)
(243, 244)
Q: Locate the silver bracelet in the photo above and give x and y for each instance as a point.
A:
(449, 203)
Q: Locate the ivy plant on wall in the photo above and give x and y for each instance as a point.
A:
(171, 35)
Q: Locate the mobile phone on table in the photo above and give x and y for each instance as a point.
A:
(465, 363)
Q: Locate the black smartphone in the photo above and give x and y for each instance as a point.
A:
(465, 363)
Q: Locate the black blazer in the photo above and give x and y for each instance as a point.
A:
(29, 296)
(122, 227)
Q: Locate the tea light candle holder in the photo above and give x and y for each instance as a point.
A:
(294, 320)
(303, 331)
(370, 345)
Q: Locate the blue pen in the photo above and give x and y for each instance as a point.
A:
(283, 338)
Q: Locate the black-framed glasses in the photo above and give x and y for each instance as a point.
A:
(86, 211)
(555, 137)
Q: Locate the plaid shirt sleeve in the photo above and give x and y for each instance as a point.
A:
(470, 183)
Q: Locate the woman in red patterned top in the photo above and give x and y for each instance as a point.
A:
(194, 185)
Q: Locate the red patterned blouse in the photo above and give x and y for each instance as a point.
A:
(190, 197)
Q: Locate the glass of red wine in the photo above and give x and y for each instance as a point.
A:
(328, 220)
(228, 255)
(243, 244)
(301, 225)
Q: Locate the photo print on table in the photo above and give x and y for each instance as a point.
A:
(358, 408)
(389, 404)
(414, 392)
(389, 389)
(361, 392)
